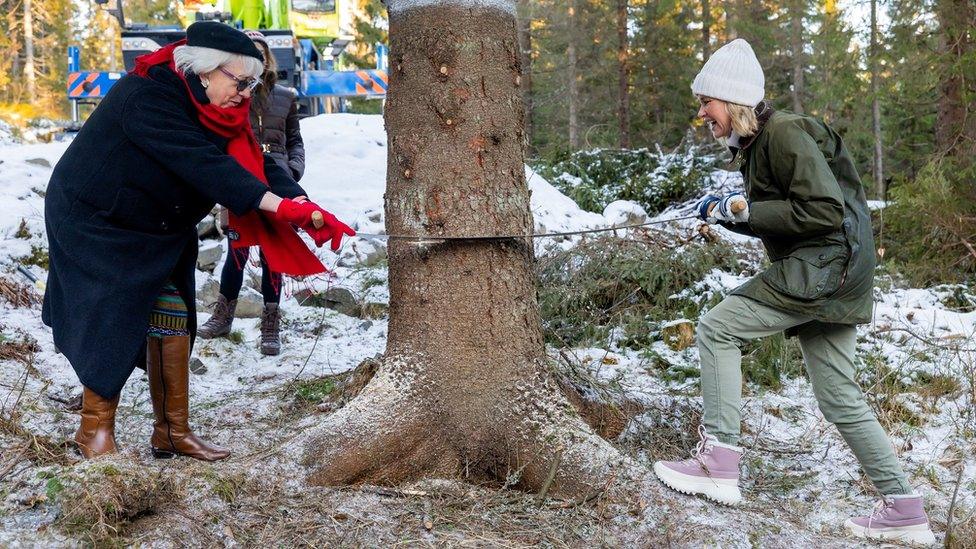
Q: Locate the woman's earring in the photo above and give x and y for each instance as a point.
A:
(205, 82)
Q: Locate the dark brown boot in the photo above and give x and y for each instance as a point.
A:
(270, 321)
(168, 367)
(221, 321)
(96, 434)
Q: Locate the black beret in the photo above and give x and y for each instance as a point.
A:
(218, 36)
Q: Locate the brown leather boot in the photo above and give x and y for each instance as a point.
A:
(270, 321)
(96, 434)
(222, 319)
(168, 367)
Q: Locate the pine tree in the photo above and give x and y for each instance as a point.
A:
(370, 29)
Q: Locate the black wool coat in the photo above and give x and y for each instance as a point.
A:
(275, 124)
(121, 211)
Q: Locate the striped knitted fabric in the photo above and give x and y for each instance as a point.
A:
(169, 315)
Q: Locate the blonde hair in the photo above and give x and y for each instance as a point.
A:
(743, 119)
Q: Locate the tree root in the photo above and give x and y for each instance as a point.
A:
(379, 437)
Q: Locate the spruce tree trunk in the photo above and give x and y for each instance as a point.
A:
(29, 72)
(879, 182)
(796, 42)
(623, 77)
(525, 50)
(956, 122)
(730, 30)
(706, 29)
(463, 389)
(572, 61)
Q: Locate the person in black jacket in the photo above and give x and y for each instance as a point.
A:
(274, 119)
(169, 140)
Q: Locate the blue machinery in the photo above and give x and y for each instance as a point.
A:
(299, 62)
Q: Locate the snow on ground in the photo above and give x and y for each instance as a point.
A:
(914, 333)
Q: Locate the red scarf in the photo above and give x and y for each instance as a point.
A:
(283, 249)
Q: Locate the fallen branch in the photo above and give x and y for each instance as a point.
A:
(952, 507)
(551, 476)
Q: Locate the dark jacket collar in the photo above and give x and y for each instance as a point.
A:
(764, 111)
(160, 73)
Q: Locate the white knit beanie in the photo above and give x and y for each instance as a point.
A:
(732, 74)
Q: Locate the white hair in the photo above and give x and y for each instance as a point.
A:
(203, 60)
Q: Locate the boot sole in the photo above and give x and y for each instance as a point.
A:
(918, 535)
(163, 454)
(719, 490)
(214, 336)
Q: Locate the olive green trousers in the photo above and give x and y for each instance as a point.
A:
(828, 353)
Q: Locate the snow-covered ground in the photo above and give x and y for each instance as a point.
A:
(914, 334)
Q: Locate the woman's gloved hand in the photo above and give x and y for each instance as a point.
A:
(706, 206)
(296, 213)
(733, 207)
(321, 225)
(331, 230)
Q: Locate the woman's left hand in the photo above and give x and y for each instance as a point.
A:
(332, 230)
(733, 207)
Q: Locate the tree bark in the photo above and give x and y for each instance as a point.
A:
(623, 76)
(796, 42)
(525, 50)
(706, 29)
(572, 61)
(730, 30)
(463, 389)
(29, 76)
(956, 122)
(878, 167)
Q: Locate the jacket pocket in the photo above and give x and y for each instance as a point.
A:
(809, 273)
(134, 210)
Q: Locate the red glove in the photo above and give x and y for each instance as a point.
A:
(297, 213)
(332, 230)
(300, 214)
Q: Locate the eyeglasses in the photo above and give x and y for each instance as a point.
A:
(246, 84)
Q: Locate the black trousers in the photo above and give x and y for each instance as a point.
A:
(232, 276)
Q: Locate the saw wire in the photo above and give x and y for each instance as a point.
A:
(415, 238)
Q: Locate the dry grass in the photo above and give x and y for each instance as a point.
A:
(17, 294)
(42, 450)
(441, 513)
(21, 349)
(964, 532)
(100, 497)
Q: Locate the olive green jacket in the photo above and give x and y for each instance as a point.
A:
(807, 204)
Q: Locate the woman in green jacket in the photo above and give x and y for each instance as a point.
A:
(804, 199)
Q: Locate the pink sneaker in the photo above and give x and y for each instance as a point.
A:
(895, 518)
(712, 471)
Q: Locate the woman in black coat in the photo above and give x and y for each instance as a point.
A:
(168, 141)
(274, 119)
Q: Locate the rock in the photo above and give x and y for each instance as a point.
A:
(207, 228)
(253, 279)
(375, 310)
(197, 366)
(376, 256)
(624, 212)
(365, 325)
(250, 304)
(337, 299)
(207, 294)
(209, 255)
(375, 217)
(678, 334)
(42, 162)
